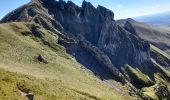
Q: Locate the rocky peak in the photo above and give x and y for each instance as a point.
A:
(87, 9)
(131, 20)
(129, 27)
(71, 4)
(73, 7)
(122, 22)
(105, 12)
(44, 1)
(86, 4)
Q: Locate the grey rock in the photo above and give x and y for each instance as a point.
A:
(162, 91)
(40, 58)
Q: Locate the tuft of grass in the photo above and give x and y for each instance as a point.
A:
(149, 91)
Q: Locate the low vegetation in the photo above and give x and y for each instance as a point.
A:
(137, 78)
(61, 77)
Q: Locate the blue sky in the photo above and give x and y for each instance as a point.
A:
(121, 8)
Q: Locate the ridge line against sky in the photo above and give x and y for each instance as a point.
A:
(121, 8)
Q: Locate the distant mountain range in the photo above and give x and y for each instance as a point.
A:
(160, 19)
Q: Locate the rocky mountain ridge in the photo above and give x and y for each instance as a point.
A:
(92, 23)
(94, 38)
(155, 35)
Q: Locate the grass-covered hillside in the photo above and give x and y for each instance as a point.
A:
(31, 61)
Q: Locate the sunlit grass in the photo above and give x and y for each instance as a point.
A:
(62, 78)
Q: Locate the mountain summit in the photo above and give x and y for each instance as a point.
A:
(96, 41)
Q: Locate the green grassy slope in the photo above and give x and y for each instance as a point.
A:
(61, 78)
(137, 77)
(157, 50)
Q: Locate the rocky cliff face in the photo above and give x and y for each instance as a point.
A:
(89, 34)
(158, 36)
(96, 25)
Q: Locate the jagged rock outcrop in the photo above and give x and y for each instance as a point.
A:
(91, 57)
(91, 35)
(162, 92)
(155, 35)
(41, 59)
(96, 25)
(129, 27)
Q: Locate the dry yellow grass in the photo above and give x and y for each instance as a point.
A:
(62, 78)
